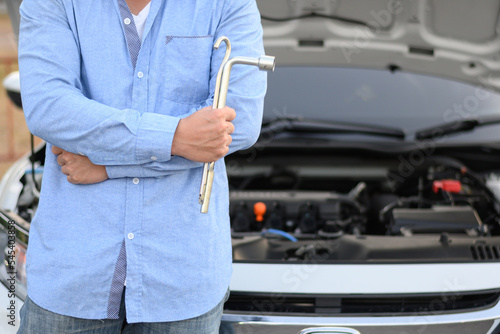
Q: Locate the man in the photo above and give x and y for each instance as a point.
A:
(118, 239)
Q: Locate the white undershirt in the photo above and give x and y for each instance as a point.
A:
(140, 20)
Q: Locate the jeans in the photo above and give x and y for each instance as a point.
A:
(36, 320)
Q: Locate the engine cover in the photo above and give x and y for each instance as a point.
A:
(438, 219)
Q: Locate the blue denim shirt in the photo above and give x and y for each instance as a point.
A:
(91, 87)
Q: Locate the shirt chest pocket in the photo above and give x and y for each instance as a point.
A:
(187, 68)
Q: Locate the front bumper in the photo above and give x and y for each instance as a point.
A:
(485, 321)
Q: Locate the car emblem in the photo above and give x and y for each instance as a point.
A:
(329, 330)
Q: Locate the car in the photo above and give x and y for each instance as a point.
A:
(14, 231)
(371, 202)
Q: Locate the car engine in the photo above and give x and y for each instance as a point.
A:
(346, 208)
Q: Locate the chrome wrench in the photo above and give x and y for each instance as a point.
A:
(264, 63)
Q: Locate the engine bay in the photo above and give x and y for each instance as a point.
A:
(347, 208)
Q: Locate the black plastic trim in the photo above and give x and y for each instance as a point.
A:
(345, 305)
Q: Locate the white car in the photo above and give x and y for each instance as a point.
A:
(371, 202)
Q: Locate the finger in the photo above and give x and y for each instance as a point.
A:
(56, 150)
(229, 140)
(229, 113)
(71, 180)
(230, 128)
(60, 160)
(65, 170)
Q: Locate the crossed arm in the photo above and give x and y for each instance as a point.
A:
(203, 137)
(94, 141)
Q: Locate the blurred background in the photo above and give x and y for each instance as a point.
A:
(14, 135)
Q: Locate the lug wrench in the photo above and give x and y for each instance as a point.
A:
(264, 63)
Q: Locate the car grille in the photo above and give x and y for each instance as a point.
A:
(485, 252)
(358, 305)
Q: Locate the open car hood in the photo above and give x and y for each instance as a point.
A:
(457, 39)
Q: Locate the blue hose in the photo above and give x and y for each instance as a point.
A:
(282, 233)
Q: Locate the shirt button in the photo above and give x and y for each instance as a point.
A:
(154, 158)
(127, 21)
(131, 236)
(135, 180)
(140, 75)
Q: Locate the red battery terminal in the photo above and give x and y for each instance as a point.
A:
(452, 186)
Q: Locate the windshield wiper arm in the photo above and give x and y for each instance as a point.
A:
(301, 125)
(455, 127)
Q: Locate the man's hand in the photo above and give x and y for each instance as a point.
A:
(78, 168)
(205, 135)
